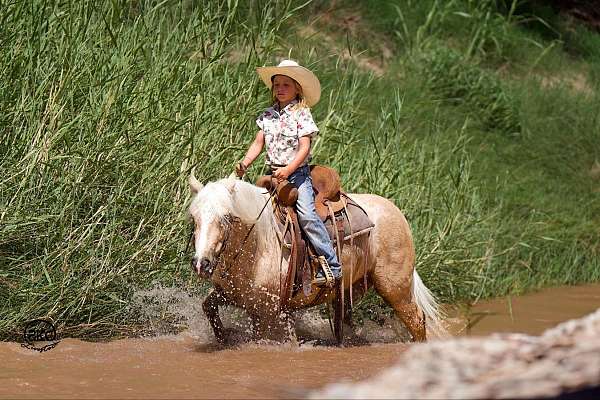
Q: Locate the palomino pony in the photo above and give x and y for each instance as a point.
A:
(237, 248)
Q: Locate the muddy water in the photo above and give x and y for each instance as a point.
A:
(531, 314)
(189, 365)
(178, 367)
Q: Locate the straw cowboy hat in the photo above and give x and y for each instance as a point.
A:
(311, 88)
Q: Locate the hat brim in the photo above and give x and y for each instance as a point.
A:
(311, 87)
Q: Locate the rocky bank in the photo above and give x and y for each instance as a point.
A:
(564, 362)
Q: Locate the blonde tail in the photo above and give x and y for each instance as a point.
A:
(427, 303)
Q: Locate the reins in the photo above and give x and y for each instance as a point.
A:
(252, 227)
(225, 270)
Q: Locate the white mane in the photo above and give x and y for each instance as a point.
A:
(236, 198)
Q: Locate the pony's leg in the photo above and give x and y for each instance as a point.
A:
(210, 306)
(400, 297)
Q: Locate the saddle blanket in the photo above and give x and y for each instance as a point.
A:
(356, 223)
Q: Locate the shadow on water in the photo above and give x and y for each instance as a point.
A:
(208, 347)
(583, 394)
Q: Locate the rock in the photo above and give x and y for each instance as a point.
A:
(560, 363)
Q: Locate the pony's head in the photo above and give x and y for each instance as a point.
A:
(213, 208)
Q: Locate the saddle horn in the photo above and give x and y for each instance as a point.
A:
(287, 193)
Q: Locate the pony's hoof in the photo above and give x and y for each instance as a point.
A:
(222, 337)
(225, 337)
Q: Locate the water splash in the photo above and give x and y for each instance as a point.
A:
(168, 310)
(172, 310)
(313, 327)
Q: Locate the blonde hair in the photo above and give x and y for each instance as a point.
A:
(300, 96)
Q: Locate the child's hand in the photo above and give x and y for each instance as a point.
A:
(281, 174)
(240, 169)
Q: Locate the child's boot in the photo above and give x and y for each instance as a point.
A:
(326, 276)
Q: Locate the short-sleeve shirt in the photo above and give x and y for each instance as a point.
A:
(283, 130)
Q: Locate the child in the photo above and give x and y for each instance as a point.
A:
(287, 128)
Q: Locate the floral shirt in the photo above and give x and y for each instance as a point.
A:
(283, 129)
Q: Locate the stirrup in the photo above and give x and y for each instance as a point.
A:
(328, 279)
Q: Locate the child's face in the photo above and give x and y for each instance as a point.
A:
(284, 89)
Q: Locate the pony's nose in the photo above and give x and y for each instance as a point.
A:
(205, 264)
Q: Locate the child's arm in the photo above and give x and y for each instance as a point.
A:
(251, 155)
(303, 150)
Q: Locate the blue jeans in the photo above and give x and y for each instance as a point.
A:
(309, 220)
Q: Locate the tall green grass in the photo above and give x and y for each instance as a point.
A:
(106, 107)
(508, 202)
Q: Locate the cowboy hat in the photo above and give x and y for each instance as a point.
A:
(311, 88)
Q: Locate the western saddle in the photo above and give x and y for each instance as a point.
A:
(343, 218)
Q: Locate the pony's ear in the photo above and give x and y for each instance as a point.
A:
(195, 185)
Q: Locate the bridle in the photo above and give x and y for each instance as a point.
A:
(227, 233)
(223, 242)
(225, 270)
(272, 193)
